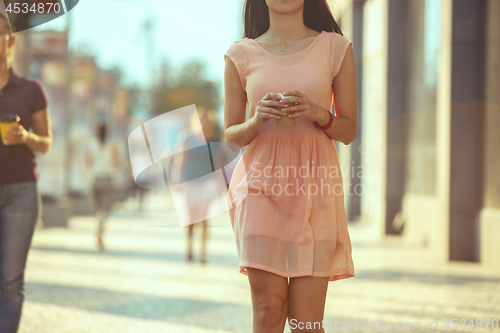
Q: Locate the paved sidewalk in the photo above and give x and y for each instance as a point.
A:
(142, 282)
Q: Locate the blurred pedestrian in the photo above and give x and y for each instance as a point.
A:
(135, 191)
(104, 160)
(187, 167)
(23, 106)
(141, 195)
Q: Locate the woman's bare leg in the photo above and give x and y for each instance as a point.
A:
(100, 230)
(198, 213)
(269, 301)
(204, 236)
(306, 303)
(190, 242)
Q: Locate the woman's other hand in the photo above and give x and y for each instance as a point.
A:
(268, 107)
(39, 139)
(17, 135)
(303, 108)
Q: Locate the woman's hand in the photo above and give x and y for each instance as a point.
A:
(17, 135)
(267, 108)
(304, 107)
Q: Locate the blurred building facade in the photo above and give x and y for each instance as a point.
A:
(81, 95)
(428, 76)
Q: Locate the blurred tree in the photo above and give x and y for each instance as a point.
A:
(118, 73)
(189, 86)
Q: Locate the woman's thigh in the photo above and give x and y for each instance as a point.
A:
(19, 212)
(306, 299)
(267, 287)
(198, 212)
(263, 281)
(103, 194)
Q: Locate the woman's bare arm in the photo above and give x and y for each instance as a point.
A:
(236, 129)
(344, 125)
(40, 139)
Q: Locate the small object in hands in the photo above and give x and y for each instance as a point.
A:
(285, 120)
(6, 121)
(327, 126)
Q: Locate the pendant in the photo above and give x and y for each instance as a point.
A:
(286, 46)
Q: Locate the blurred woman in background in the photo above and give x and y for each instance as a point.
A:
(19, 196)
(104, 159)
(189, 166)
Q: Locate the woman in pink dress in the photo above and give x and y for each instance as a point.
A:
(286, 198)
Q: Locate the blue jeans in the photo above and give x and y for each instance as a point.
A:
(19, 212)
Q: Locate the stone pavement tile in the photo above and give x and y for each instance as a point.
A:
(400, 282)
(51, 319)
(142, 283)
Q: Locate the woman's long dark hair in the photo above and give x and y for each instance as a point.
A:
(317, 16)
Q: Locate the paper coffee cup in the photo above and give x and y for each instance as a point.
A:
(6, 121)
(284, 120)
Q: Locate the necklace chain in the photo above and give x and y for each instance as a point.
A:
(283, 47)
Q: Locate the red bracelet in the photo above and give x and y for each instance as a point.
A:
(327, 126)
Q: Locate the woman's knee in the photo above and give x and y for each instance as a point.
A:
(270, 310)
(269, 297)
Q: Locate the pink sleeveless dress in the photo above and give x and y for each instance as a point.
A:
(286, 198)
